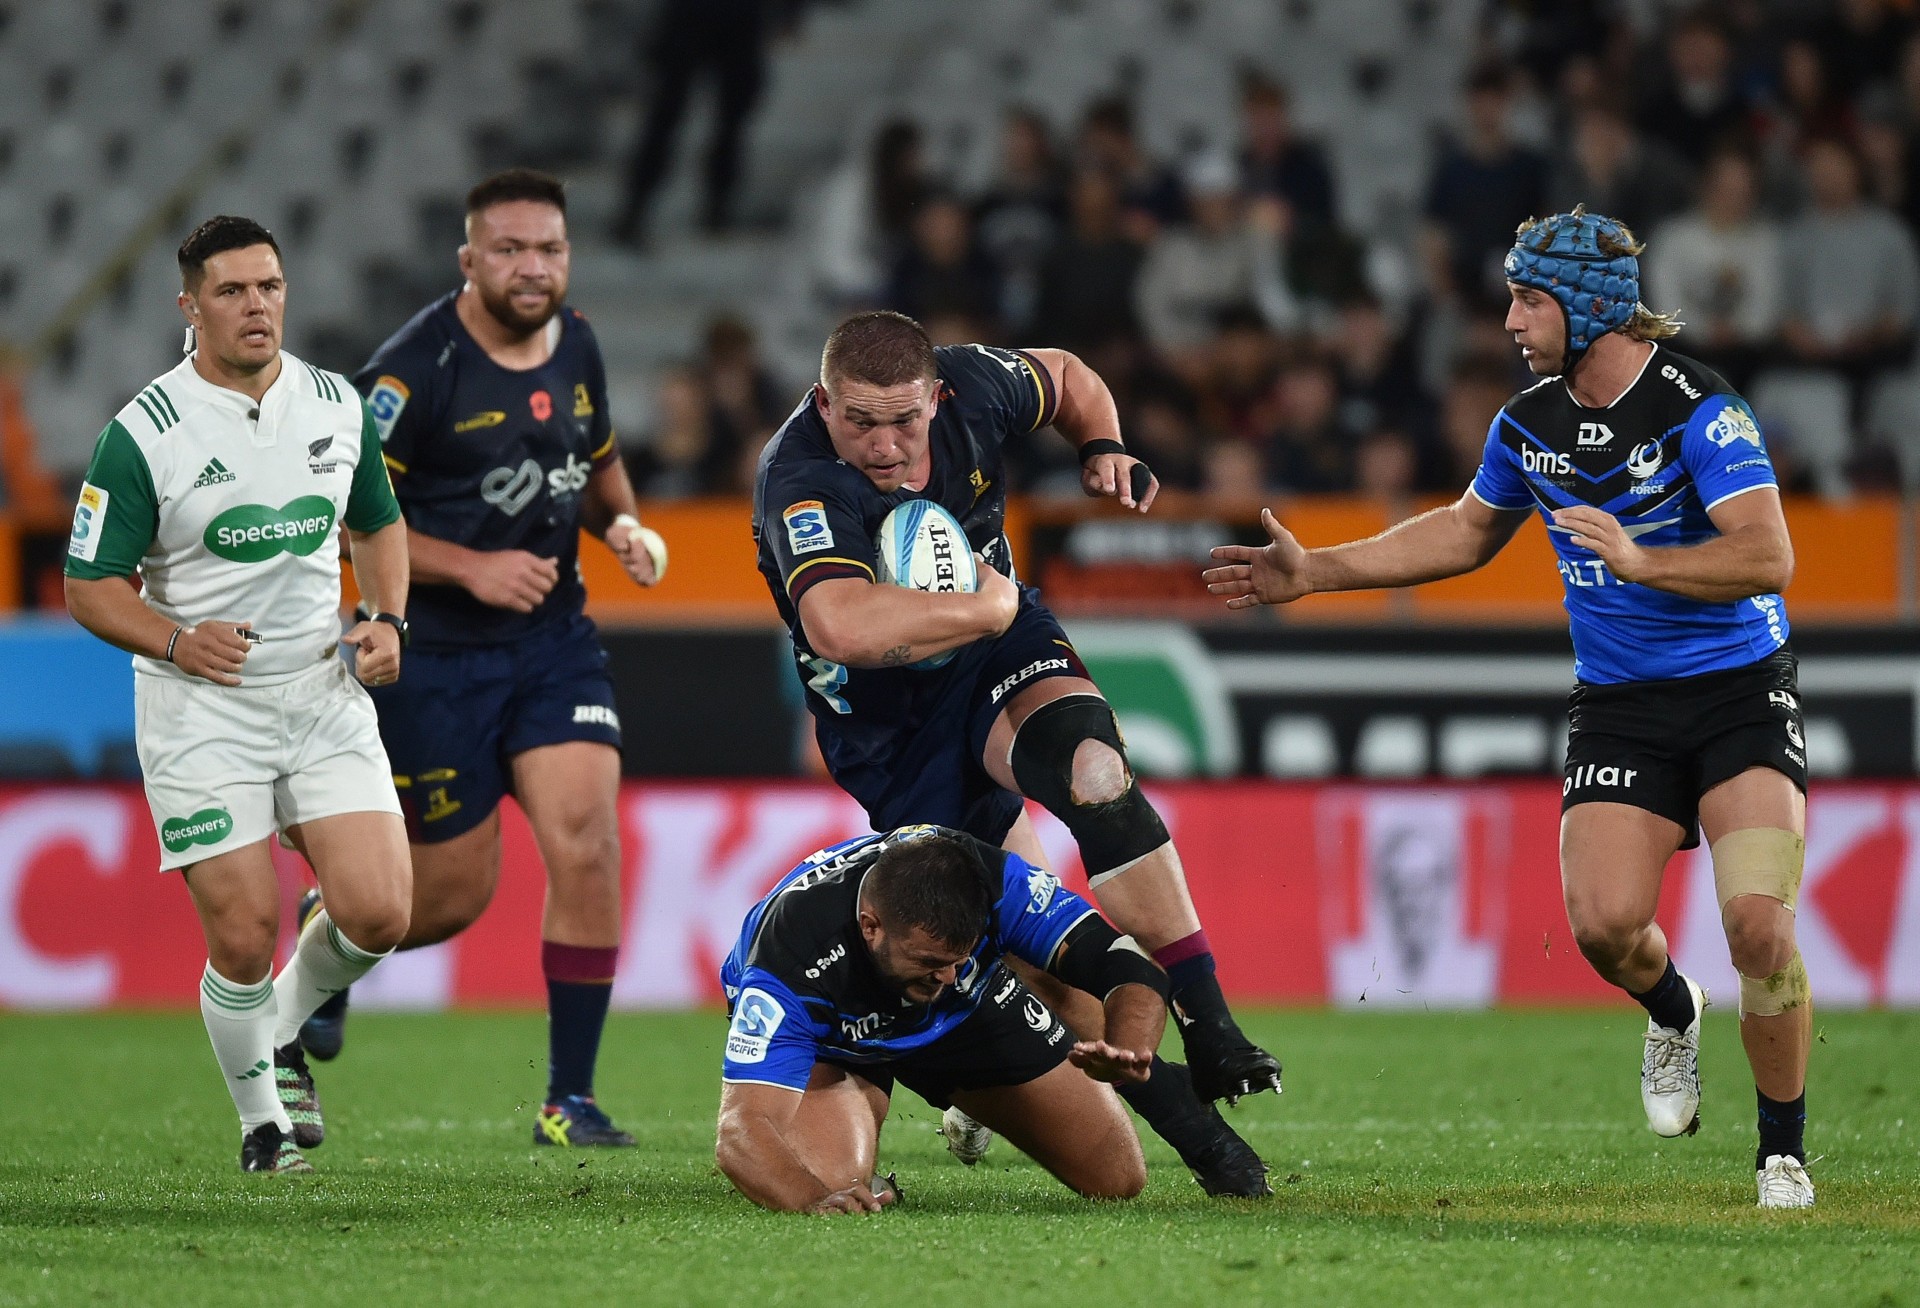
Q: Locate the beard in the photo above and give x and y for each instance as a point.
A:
(501, 308)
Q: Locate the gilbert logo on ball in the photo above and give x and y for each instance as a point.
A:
(922, 547)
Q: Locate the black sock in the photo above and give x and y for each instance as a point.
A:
(579, 984)
(1669, 1002)
(1783, 1128)
(1165, 1099)
(1197, 992)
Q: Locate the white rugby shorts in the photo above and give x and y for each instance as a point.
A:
(226, 766)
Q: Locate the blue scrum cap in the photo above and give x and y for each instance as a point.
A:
(1563, 256)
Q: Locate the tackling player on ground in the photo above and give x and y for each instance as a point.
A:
(1660, 500)
(883, 959)
(492, 407)
(1013, 713)
(220, 488)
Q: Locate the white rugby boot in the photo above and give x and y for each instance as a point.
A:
(967, 1140)
(1670, 1072)
(1784, 1183)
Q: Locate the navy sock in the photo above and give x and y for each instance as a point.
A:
(1783, 1128)
(1669, 1002)
(579, 985)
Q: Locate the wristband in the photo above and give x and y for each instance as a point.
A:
(626, 520)
(172, 640)
(650, 540)
(1094, 448)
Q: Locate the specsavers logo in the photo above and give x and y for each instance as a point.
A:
(209, 826)
(254, 533)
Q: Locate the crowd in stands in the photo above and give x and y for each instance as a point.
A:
(1255, 339)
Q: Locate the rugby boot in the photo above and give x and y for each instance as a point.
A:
(1225, 1165)
(1226, 1065)
(1784, 1183)
(1670, 1071)
(325, 1030)
(967, 1140)
(267, 1148)
(298, 1096)
(576, 1120)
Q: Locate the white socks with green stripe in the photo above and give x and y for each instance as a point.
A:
(240, 1022)
(324, 963)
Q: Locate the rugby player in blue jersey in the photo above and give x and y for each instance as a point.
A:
(1011, 712)
(1659, 498)
(884, 959)
(492, 409)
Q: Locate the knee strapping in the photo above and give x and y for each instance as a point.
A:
(1758, 861)
(1113, 834)
(1769, 996)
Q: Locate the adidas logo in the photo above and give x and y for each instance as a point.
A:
(212, 475)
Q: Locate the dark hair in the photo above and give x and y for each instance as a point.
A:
(517, 184)
(882, 348)
(933, 882)
(217, 235)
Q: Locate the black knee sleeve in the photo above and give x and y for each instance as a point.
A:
(1111, 835)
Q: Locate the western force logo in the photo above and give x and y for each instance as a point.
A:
(88, 515)
(757, 1015)
(1645, 460)
(1734, 424)
(254, 533)
(807, 529)
(209, 826)
(385, 401)
(1036, 1013)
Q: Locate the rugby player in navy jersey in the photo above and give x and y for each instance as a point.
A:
(1659, 498)
(492, 409)
(884, 959)
(1013, 713)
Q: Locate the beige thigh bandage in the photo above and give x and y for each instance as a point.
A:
(1769, 996)
(1759, 861)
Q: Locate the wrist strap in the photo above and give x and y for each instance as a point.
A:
(626, 520)
(1093, 449)
(172, 640)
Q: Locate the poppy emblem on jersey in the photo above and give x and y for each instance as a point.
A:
(756, 1016)
(542, 405)
(807, 528)
(254, 533)
(1645, 460)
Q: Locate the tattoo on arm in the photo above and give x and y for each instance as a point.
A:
(896, 656)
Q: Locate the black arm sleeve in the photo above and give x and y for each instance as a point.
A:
(1094, 958)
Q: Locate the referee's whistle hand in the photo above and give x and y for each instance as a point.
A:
(213, 650)
(377, 658)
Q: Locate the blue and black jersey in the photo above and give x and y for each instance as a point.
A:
(802, 986)
(815, 518)
(1677, 443)
(490, 458)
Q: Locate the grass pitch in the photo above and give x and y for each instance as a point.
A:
(1470, 1159)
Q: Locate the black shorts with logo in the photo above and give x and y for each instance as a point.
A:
(1660, 745)
(1011, 1039)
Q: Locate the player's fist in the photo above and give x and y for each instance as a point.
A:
(213, 650)
(1000, 591)
(376, 659)
(1122, 477)
(1268, 574)
(642, 551)
(511, 579)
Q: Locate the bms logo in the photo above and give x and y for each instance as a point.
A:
(756, 1017)
(1545, 462)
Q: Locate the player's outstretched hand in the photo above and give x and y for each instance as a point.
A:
(1120, 476)
(1266, 574)
(213, 650)
(1601, 532)
(1105, 1062)
(642, 551)
(856, 1198)
(511, 579)
(377, 658)
(1002, 591)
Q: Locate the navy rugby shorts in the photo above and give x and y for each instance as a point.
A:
(455, 719)
(1660, 745)
(1010, 1039)
(928, 768)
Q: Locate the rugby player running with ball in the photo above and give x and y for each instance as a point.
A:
(1012, 713)
(1660, 501)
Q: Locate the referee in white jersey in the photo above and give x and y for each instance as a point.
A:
(222, 485)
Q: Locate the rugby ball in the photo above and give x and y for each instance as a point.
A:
(922, 547)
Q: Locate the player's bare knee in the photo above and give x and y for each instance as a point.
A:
(1100, 774)
(1605, 941)
(1759, 934)
(1068, 757)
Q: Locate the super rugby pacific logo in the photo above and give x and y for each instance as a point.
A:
(254, 533)
(757, 1015)
(209, 826)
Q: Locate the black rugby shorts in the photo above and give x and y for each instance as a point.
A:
(1660, 745)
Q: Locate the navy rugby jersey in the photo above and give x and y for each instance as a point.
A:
(815, 517)
(802, 986)
(489, 457)
(1677, 443)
